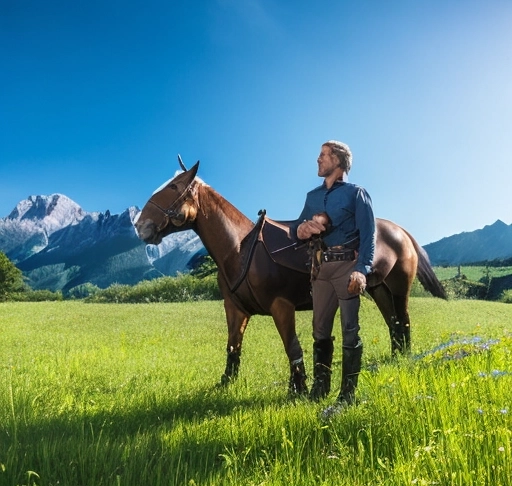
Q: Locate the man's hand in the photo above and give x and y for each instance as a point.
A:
(312, 227)
(309, 228)
(357, 283)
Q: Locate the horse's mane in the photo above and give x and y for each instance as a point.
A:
(210, 201)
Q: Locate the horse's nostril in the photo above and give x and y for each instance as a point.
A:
(145, 229)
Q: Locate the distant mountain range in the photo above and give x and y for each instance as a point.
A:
(493, 242)
(59, 246)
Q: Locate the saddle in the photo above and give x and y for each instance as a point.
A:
(282, 247)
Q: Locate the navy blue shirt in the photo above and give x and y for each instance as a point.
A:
(351, 212)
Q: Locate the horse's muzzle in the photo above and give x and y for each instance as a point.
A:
(147, 231)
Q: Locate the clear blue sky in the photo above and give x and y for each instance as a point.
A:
(98, 97)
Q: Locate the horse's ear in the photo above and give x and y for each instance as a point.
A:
(184, 169)
(182, 181)
(182, 165)
(194, 169)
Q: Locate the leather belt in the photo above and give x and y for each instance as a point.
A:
(338, 255)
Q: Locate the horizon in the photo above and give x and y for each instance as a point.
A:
(139, 208)
(98, 100)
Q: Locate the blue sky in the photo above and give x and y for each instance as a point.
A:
(97, 98)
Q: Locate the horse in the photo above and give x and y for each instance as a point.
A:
(263, 269)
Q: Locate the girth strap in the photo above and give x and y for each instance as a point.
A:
(250, 243)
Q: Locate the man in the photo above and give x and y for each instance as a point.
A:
(341, 215)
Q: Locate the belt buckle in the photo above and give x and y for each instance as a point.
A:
(341, 255)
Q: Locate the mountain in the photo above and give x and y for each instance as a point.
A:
(58, 246)
(493, 242)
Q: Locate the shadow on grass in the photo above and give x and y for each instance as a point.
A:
(170, 442)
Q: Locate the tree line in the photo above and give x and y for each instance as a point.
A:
(199, 284)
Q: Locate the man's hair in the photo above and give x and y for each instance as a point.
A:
(342, 151)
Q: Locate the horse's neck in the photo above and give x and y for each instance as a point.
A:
(219, 224)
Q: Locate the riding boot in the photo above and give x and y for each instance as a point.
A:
(322, 357)
(351, 367)
(297, 385)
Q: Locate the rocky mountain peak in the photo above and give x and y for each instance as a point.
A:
(58, 245)
(498, 225)
(56, 206)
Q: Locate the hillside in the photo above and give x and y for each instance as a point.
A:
(493, 242)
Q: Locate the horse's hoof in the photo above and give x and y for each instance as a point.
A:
(293, 395)
(297, 391)
(224, 381)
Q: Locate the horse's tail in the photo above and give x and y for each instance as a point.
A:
(426, 274)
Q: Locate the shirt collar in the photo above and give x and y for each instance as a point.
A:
(337, 182)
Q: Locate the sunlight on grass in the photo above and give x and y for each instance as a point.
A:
(95, 394)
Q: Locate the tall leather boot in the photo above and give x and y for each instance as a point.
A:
(351, 367)
(322, 358)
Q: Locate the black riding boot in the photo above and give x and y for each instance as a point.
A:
(351, 367)
(322, 358)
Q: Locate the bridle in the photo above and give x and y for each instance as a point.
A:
(172, 212)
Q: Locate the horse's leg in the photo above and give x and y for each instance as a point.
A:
(283, 313)
(237, 322)
(402, 325)
(395, 264)
(400, 281)
(397, 322)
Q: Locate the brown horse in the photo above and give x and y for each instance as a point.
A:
(250, 280)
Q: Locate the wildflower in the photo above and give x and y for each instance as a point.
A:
(498, 373)
(424, 397)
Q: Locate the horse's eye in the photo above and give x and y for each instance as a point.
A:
(174, 187)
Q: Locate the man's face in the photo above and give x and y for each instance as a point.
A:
(327, 162)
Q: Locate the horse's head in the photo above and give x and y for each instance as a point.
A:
(171, 208)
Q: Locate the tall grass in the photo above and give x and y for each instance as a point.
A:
(100, 394)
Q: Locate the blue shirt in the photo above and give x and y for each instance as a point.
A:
(351, 212)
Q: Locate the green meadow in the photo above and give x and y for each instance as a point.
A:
(125, 394)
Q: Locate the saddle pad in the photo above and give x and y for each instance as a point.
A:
(282, 246)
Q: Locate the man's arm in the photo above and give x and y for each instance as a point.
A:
(365, 222)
